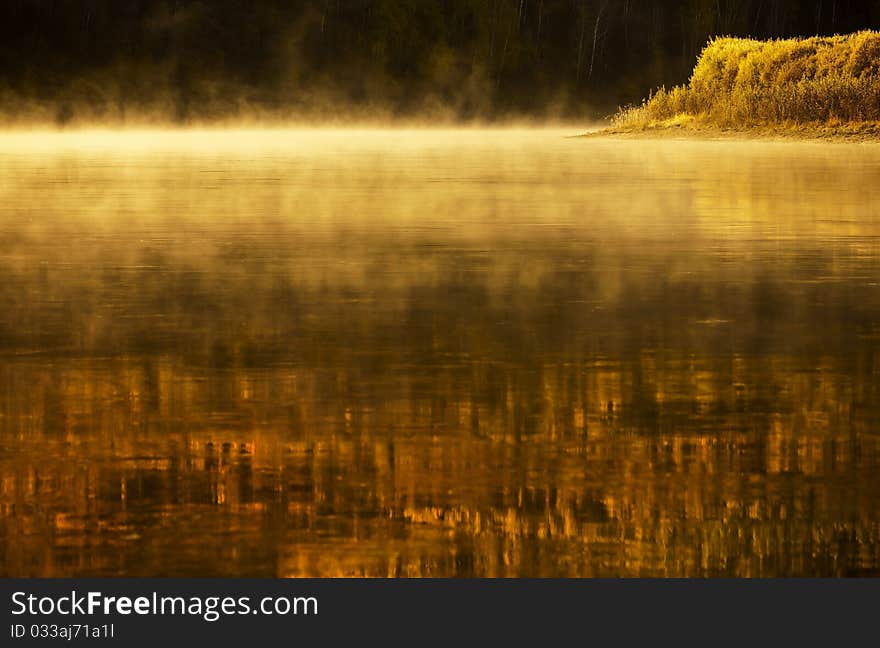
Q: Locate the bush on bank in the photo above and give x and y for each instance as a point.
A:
(740, 83)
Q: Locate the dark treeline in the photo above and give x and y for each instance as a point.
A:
(69, 60)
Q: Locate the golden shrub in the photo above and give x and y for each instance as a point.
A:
(740, 82)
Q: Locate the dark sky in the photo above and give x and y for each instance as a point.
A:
(68, 60)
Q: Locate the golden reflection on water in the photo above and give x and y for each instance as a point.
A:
(437, 353)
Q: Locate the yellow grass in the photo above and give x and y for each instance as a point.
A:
(828, 82)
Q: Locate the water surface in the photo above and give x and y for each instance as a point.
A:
(437, 353)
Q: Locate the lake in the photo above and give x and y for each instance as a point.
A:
(437, 353)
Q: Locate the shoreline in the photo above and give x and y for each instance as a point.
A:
(868, 133)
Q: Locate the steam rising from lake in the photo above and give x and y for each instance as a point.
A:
(437, 352)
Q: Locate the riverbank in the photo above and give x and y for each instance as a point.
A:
(806, 88)
(685, 126)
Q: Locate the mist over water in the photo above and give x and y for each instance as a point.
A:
(437, 353)
(159, 62)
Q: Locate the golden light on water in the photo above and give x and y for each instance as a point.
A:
(436, 352)
(262, 139)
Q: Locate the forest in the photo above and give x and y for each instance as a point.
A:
(185, 61)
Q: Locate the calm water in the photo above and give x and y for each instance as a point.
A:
(438, 354)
